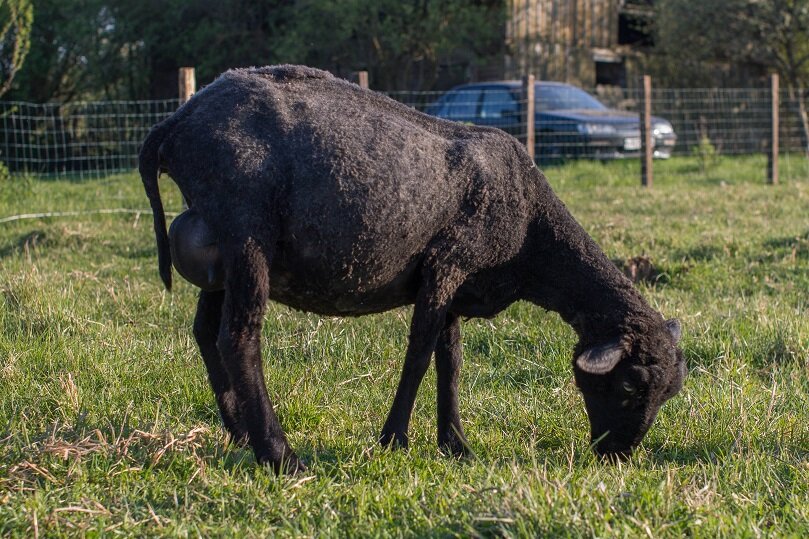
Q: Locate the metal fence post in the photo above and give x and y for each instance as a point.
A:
(187, 83)
(647, 147)
(362, 79)
(772, 162)
(530, 114)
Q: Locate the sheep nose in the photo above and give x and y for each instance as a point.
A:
(613, 453)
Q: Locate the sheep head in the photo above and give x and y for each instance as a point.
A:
(624, 383)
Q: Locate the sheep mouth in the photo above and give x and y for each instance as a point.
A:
(613, 456)
(612, 450)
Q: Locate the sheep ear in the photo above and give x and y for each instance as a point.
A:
(600, 359)
(673, 325)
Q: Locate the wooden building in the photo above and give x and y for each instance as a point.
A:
(585, 42)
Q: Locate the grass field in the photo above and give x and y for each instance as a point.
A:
(108, 427)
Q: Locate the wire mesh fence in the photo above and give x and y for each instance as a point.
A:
(733, 120)
(604, 124)
(99, 138)
(82, 139)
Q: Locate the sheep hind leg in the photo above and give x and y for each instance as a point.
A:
(448, 359)
(246, 292)
(206, 331)
(429, 314)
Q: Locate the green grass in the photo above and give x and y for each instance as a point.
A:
(108, 427)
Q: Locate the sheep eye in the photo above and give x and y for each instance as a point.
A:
(629, 388)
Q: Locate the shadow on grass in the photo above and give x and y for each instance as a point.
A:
(795, 247)
(641, 269)
(707, 452)
(700, 253)
(52, 238)
(23, 244)
(776, 350)
(714, 452)
(138, 254)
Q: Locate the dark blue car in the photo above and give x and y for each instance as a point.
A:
(569, 121)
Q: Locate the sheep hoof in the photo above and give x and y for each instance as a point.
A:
(293, 466)
(289, 465)
(240, 440)
(393, 440)
(455, 446)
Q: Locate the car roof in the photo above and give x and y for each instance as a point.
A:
(509, 83)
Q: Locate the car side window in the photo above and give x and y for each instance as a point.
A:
(498, 103)
(462, 105)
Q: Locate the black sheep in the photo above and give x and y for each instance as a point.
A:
(336, 200)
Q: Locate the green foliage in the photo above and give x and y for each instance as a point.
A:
(73, 55)
(402, 44)
(16, 18)
(705, 152)
(131, 49)
(690, 36)
(779, 31)
(211, 35)
(694, 38)
(696, 41)
(108, 425)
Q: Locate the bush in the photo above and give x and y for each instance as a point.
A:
(706, 154)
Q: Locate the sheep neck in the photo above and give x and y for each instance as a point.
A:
(568, 273)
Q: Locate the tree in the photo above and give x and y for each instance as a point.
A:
(404, 44)
(69, 53)
(131, 49)
(780, 38)
(694, 35)
(16, 18)
(692, 38)
(211, 35)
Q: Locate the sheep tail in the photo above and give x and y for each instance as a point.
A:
(149, 168)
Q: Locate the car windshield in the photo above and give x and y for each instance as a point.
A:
(552, 97)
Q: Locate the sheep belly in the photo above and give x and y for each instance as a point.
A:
(340, 296)
(299, 277)
(343, 276)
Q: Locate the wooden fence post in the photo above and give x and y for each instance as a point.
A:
(772, 162)
(530, 114)
(646, 144)
(362, 79)
(187, 84)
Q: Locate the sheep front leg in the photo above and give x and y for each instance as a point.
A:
(448, 359)
(206, 331)
(239, 343)
(429, 314)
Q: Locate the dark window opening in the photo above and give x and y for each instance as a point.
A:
(634, 30)
(611, 73)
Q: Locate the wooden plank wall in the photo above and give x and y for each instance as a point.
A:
(555, 38)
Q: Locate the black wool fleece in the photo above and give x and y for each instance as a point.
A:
(340, 201)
